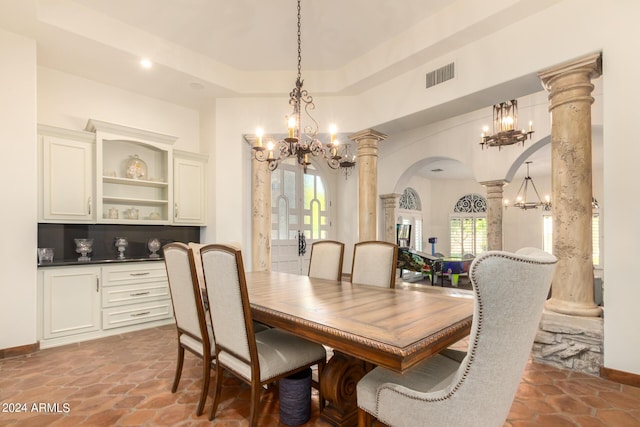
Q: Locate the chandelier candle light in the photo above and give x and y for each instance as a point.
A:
(302, 141)
(505, 127)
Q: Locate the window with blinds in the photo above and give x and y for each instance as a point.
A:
(468, 226)
(468, 235)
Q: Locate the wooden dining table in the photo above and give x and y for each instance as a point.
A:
(366, 326)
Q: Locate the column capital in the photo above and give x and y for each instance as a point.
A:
(495, 183)
(390, 199)
(591, 65)
(367, 134)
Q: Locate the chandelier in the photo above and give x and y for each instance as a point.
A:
(505, 127)
(521, 198)
(303, 141)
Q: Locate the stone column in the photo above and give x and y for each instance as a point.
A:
(570, 100)
(367, 164)
(260, 216)
(390, 206)
(494, 214)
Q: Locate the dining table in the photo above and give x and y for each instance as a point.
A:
(365, 326)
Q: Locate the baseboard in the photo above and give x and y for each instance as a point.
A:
(19, 351)
(620, 376)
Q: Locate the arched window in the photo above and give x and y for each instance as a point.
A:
(410, 200)
(468, 226)
(410, 211)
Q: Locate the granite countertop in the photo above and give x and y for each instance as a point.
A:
(75, 262)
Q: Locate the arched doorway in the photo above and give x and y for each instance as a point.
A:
(300, 215)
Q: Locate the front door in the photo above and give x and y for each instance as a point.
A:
(299, 216)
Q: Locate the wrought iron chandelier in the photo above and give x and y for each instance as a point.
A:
(303, 141)
(521, 198)
(505, 127)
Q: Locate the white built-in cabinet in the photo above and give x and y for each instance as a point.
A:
(66, 181)
(87, 302)
(189, 188)
(114, 174)
(71, 301)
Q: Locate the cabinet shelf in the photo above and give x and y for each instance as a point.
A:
(134, 182)
(134, 201)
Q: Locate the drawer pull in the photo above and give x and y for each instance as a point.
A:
(144, 313)
(140, 274)
(137, 294)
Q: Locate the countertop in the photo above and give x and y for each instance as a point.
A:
(75, 262)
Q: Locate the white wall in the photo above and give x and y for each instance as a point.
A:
(18, 189)
(622, 194)
(68, 101)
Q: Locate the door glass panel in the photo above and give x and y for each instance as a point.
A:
(276, 187)
(309, 190)
(320, 195)
(315, 219)
(290, 187)
(282, 218)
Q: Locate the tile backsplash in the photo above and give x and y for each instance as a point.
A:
(60, 237)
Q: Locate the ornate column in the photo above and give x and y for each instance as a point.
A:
(390, 207)
(367, 163)
(494, 214)
(260, 216)
(570, 100)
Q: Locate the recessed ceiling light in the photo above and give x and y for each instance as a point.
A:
(146, 63)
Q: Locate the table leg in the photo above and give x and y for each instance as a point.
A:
(339, 379)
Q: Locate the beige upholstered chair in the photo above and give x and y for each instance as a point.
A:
(477, 389)
(326, 260)
(188, 309)
(374, 263)
(200, 273)
(256, 358)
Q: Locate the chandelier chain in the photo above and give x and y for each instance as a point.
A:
(302, 141)
(299, 44)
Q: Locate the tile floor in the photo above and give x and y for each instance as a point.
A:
(125, 380)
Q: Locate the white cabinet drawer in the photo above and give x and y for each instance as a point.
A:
(132, 314)
(134, 293)
(115, 275)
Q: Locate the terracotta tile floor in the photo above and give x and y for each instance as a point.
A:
(126, 380)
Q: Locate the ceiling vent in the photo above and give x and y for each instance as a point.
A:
(441, 75)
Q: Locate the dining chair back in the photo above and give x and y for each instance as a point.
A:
(476, 388)
(374, 263)
(256, 358)
(188, 309)
(326, 260)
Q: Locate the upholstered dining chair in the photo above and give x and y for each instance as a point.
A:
(193, 333)
(255, 358)
(195, 247)
(476, 388)
(374, 263)
(326, 259)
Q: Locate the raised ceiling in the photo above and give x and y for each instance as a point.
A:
(204, 49)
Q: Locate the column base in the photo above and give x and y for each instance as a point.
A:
(570, 342)
(573, 308)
